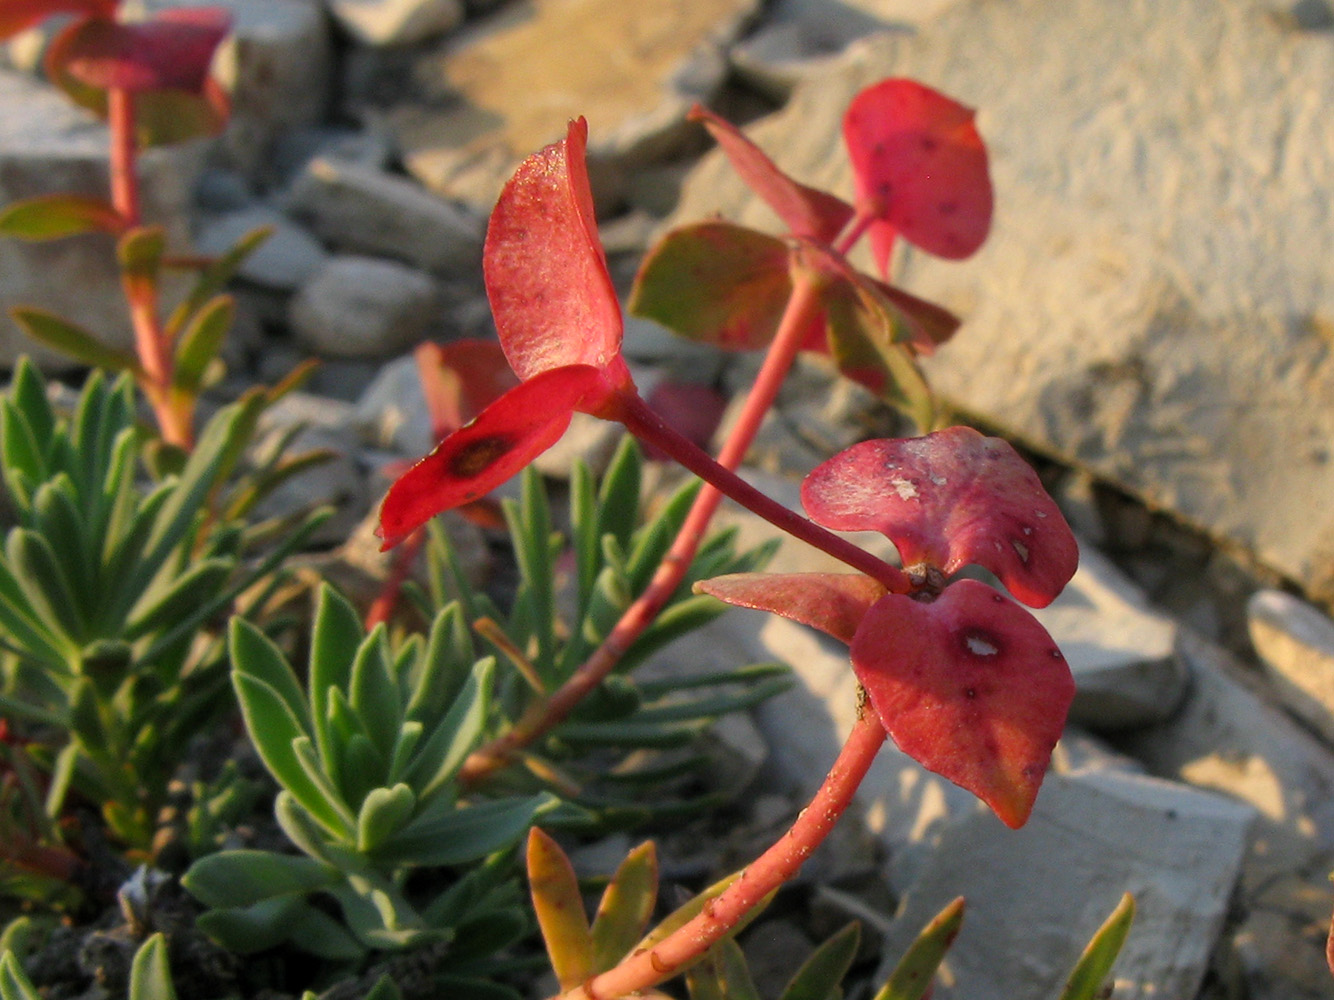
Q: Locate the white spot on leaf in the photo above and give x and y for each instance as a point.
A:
(980, 646)
(1021, 548)
(905, 488)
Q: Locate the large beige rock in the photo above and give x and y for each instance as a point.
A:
(485, 99)
(1155, 302)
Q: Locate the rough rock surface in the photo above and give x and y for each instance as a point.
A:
(1154, 301)
(488, 97)
(1295, 643)
(363, 307)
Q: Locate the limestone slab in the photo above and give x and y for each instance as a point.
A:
(1295, 643)
(1154, 302)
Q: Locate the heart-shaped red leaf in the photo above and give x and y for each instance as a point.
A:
(717, 283)
(920, 167)
(172, 51)
(478, 457)
(546, 272)
(947, 500)
(971, 687)
(460, 379)
(806, 211)
(835, 603)
(16, 15)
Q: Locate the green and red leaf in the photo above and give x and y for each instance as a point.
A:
(969, 685)
(53, 217)
(717, 283)
(947, 500)
(806, 211)
(560, 910)
(546, 272)
(481, 455)
(834, 603)
(920, 168)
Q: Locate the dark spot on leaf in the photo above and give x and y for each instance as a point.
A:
(474, 458)
(970, 693)
(947, 207)
(929, 144)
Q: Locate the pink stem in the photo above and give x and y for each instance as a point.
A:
(649, 966)
(124, 150)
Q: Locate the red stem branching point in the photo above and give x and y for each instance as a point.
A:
(646, 967)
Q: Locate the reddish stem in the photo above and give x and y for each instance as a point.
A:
(545, 714)
(124, 155)
(853, 231)
(649, 966)
(383, 606)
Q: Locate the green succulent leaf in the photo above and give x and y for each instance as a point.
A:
(150, 975)
(199, 344)
(911, 978)
(627, 904)
(384, 812)
(215, 277)
(451, 835)
(454, 737)
(373, 693)
(820, 975)
(250, 929)
(722, 975)
(14, 983)
(241, 878)
(1095, 964)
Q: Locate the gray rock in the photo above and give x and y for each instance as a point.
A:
(392, 414)
(1295, 643)
(363, 307)
(1035, 895)
(288, 258)
(1121, 653)
(1153, 302)
(364, 210)
(48, 146)
(1231, 737)
(396, 22)
(276, 66)
(494, 94)
(1280, 943)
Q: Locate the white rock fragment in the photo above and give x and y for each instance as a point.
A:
(1295, 643)
(362, 307)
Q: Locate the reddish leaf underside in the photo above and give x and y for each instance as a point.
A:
(717, 283)
(835, 603)
(172, 51)
(947, 500)
(692, 410)
(971, 687)
(460, 379)
(920, 164)
(16, 15)
(546, 273)
(478, 457)
(806, 211)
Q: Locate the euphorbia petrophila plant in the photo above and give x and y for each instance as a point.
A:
(964, 679)
(150, 80)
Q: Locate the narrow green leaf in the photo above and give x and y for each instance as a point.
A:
(722, 975)
(14, 983)
(455, 736)
(335, 635)
(140, 252)
(44, 583)
(627, 904)
(57, 516)
(911, 978)
(629, 734)
(52, 217)
(254, 654)
(452, 836)
(150, 975)
(1095, 964)
(559, 907)
(178, 599)
(385, 989)
(214, 279)
(68, 338)
(373, 692)
(583, 532)
(246, 930)
(444, 667)
(618, 497)
(651, 543)
(383, 813)
(200, 343)
(687, 912)
(85, 718)
(820, 975)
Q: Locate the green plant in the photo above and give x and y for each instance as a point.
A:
(367, 759)
(150, 976)
(108, 588)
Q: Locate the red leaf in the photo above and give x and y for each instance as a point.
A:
(546, 273)
(16, 15)
(947, 500)
(171, 52)
(460, 379)
(971, 687)
(477, 458)
(919, 165)
(806, 211)
(835, 603)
